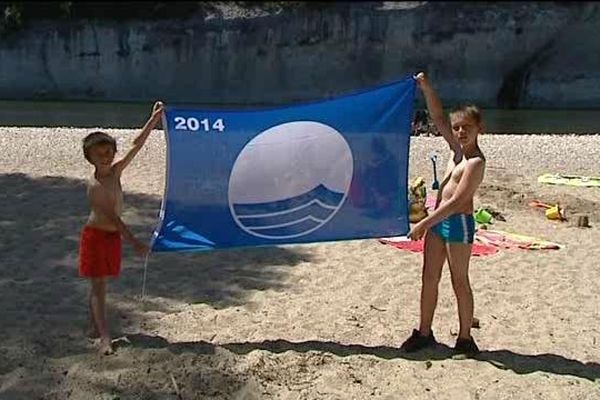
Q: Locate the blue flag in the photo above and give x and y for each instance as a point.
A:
(314, 172)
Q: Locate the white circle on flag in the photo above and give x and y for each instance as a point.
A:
(290, 180)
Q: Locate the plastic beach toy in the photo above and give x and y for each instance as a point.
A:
(555, 213)
(435, 185)
(482, 216)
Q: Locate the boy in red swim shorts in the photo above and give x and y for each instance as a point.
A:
(100, 245)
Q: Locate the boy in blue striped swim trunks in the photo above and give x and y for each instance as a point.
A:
(450, 228)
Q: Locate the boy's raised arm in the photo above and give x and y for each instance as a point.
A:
(436, 111)
(139, 141)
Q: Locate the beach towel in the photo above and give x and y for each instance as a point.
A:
(508, 240)
(571, 180)
(430, 202)
(416, 246)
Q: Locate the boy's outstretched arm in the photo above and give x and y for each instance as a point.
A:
(139, 141)
(469, 182)
(436, 111)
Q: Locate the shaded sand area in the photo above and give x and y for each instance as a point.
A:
(319, 321)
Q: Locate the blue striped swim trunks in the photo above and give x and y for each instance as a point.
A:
(457, 228)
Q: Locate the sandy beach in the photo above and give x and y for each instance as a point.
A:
(317, 321)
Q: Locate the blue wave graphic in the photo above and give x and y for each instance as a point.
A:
(295, 229)
(289, 217)
(313, 209)
(321, 193)
(178, 236)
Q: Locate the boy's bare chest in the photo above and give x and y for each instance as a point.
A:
(453, 174)
(454, 171)
(457, 172)
(111, 186)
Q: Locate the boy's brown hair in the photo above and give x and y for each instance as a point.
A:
(470, 110)
(96, 138)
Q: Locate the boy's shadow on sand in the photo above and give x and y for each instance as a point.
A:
(503, 359)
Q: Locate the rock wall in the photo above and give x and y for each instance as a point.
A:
(498, 55)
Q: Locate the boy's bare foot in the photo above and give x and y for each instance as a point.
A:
(106, 348)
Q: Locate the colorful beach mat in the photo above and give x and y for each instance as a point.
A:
(417, 246)
(430, 202)
(508, 240)
(571, 180)
(487, 242)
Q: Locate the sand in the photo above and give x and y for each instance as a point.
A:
(318, 321)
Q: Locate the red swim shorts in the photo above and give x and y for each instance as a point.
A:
(99, 253)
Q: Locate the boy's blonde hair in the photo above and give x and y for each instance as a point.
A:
(470, 110)
(97, 138)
